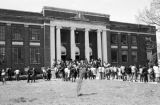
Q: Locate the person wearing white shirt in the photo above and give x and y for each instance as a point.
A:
(156, 71)
(93, 70)
(103, 72)
(17, 73)
(100, 72)
(67, 73)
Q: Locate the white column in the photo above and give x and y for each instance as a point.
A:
(58, 40)
(52, 44)
(104, 42)
(87, 44)
(72, 43)
(99, 47)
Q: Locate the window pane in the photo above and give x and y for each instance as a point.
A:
(35, 55)
(35, 34)
(133, 40)
(124, 39)
(114, 38)
(17, 33)
(2, 32)
(114, 55)
(124, 56)
(2, 55)
(17, 55)
(134, 56)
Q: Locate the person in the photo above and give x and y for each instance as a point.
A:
(79, 82)
(33, 75)
(100, 72)
(119, 73)
(29, 73)
(128, 71)
(49, 74)
(134, 73)
(9, 74)
(145, 74)
(141, 73)
(44, 73)
(123, 73)
(156, 71)
(17, 72)
(93, 70)
(67, 73)
(3, 76)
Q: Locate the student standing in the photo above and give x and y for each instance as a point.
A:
(79, 82)
(3, 76)
(17, 72)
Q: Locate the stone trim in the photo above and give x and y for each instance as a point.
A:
(130, 32)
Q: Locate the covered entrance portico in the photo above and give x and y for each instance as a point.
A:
(55, 41)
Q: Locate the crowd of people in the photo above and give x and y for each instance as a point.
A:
(72, 70)
(96, 70)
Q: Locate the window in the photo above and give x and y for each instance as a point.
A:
(124, 39)
(17, 33)
(35, 55)
(124, 56)
(2, 55)
(114, 38)
(133, 40)
(2, 32)
(17, 55)
(134, 56)
(114, 55)
(148, 41)
(35, 34)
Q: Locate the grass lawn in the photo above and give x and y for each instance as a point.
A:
(94, 92)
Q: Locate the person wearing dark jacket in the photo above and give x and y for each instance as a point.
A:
(128, 73)
(33, 76)
(49, 73)
(145, 74)
(29, 73)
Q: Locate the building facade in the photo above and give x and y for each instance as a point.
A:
(39, 39)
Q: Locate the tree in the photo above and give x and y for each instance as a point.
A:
(151, 15)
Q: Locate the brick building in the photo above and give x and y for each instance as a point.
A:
(37, 39)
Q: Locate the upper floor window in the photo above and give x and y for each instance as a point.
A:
(2, 32)
(17, 33)
(35, 34)
(133, 40)
(124, 39)
(149, 42)
(114, 38)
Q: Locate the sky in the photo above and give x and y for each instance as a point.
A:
(119, 10)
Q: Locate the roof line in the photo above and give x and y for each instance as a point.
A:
(75, 11)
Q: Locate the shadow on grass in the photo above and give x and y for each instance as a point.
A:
(88, 94)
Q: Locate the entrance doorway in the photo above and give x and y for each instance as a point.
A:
(63, 53)
(77, 53)
(90, 53)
